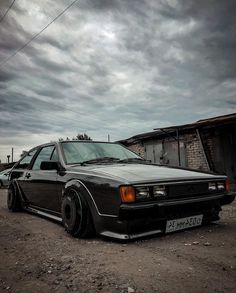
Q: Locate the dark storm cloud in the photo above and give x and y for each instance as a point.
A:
(118, 67)
(53, 42)
(100, 5)
(28, 104)
(7, 103)
(214, 39)
(5, 76)
(12, 35)
(51, 65)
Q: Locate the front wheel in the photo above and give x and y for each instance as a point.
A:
(13, 199)
(76, 215)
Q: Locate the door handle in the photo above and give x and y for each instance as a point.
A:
(28, 175)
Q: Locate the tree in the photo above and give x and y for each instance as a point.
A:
(82, 137)
(79, 136)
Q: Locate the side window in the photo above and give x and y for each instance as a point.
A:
(54, 156)
(44, 155)
(24, 163)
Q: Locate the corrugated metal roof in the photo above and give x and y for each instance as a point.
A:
(219, 120)
(204, 122)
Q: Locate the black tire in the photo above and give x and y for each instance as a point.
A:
(76, 215)
(1, 185)
(13, 199)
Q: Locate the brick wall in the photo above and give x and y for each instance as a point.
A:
(138, 148)
(211, 145)
(195, 158)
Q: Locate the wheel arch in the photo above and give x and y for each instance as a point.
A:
(17, 188)
(13, 184)
(84, 191)
(14, 201)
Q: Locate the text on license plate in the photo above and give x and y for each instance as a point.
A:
(183, 223)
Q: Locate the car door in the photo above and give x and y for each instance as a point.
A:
(20, 169)
(40, 186)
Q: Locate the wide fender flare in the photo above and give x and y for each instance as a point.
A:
(84, 192)
(17, 188)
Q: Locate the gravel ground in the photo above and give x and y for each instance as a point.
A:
(37, 255)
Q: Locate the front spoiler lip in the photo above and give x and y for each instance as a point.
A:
(131, 236)
(170, 202)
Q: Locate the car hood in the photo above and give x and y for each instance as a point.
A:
(134, 173)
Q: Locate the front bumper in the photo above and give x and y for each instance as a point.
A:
(143, 219)
(228, 198)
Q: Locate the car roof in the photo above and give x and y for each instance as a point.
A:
(66, 141)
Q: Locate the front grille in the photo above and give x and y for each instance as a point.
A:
(188, 189)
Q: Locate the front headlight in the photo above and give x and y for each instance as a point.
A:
(159, 191)
(212, 186)
(220, 186)
(142, 193)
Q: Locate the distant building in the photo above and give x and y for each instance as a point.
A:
(208, 145)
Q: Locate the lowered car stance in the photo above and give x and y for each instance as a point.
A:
(104, 188)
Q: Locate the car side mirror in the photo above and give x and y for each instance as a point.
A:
(50, 165)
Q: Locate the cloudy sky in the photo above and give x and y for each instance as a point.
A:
(113, 67)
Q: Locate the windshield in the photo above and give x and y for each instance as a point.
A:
(79, 152)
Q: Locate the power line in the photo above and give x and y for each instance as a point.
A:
(7, 11)
(36, 35)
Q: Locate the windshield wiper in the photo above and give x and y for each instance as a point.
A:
(134, 160)
(100, 160)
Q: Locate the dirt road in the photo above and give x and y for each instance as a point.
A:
(36, 255)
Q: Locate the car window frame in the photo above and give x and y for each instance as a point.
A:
(33, 158)
(38, 152)
(55, 149)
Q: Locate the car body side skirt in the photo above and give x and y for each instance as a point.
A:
(43, 213)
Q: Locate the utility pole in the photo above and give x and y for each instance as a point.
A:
(12, 151)
(8, 159)
(108, 137)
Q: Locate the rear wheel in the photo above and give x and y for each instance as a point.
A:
(13, 199)
(76, 215)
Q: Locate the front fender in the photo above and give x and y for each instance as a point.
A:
(84, 192)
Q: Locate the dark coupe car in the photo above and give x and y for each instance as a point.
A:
(104, 188)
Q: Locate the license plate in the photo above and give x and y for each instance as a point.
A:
(183, 223)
